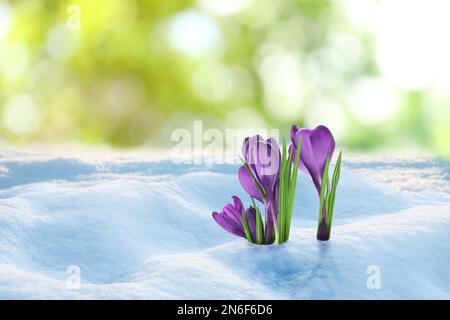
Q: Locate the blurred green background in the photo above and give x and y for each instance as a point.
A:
(127, 72)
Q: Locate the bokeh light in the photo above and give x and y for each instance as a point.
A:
(375, 71)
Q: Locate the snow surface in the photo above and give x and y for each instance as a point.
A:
(140, 228)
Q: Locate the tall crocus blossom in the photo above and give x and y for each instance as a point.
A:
(317, 150)
(259, 176)
(318, 143)
(263, 158)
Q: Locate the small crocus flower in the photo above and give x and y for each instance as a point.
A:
(230, 218)
(239, 221)
(317, 150)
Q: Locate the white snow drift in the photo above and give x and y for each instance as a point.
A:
(143, 229)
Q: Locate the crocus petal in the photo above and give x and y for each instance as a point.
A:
(276, 153)
(249, 147)
(294, 130)
(238, 204)
(245, 148)
(248, 184)
(301, 166)
(295, 138)
(323, 144)
(263, 158)
(268, 164)
(228, 225)
(307, 159)
(230, 211)
(275, 147)
(317, 144)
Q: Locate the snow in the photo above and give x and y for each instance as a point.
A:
(138, 227)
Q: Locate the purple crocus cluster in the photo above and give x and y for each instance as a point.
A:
(260, 178)
(262, 163)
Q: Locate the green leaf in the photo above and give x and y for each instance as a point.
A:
(293, 186)
(336, 176)
(289, 162)
(272, 236)
(337, 169)
(323, 190)
(259, 224)
(248, 235)
(281, 195)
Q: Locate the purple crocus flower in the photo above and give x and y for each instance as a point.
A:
(263, 158)
(317, 144)
(230, 218)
